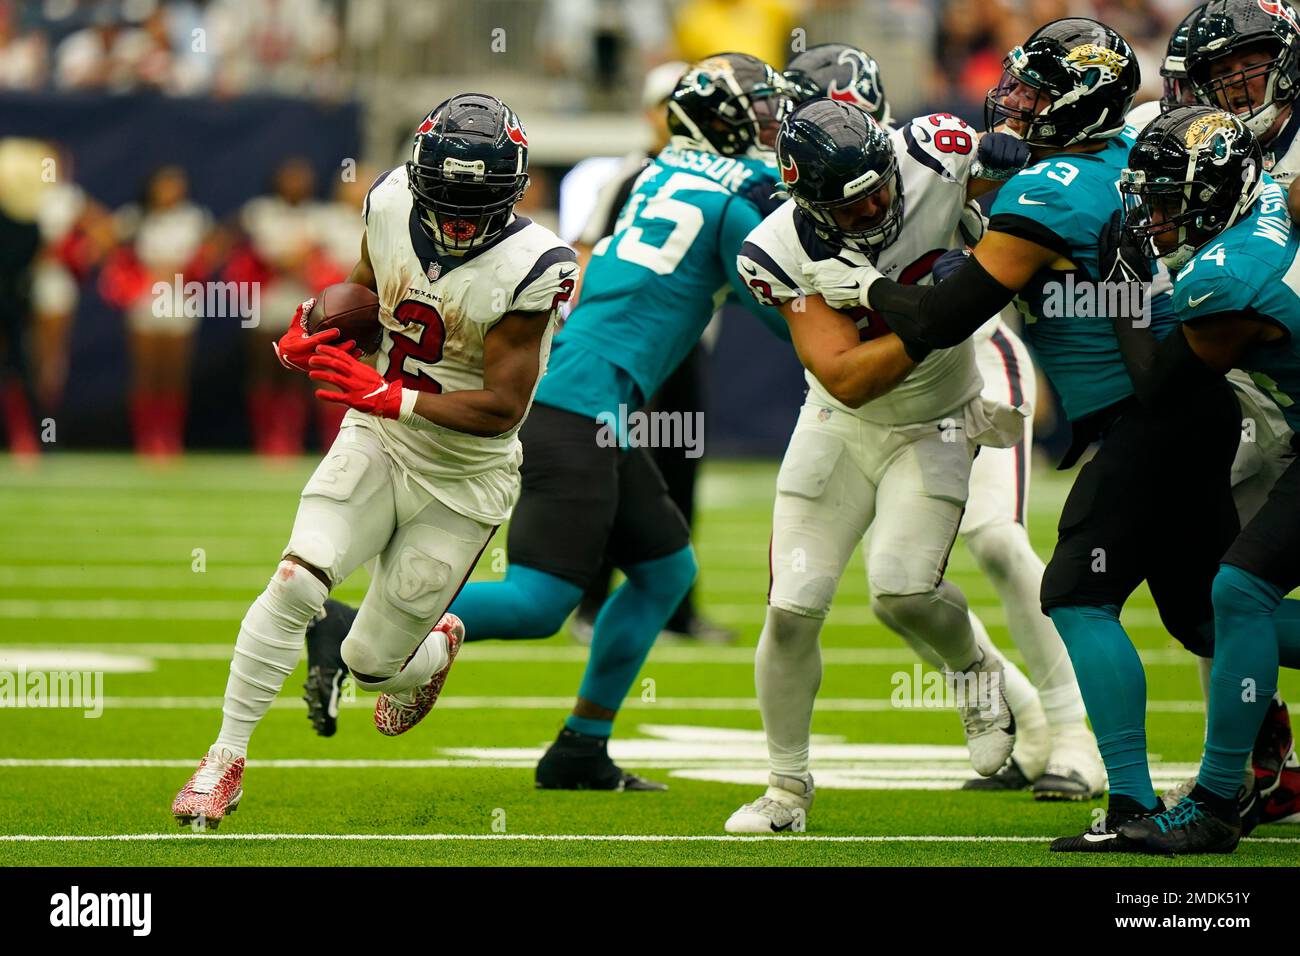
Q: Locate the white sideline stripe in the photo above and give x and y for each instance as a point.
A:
(539, 837)
(829, 704)
(542, 653)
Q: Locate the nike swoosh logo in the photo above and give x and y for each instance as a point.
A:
(748, 269)
(1193, 303)
(564, 274)
(333, 708)
(1099, 837)
(381, 388)
(1031, 202)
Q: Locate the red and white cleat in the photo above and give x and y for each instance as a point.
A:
(397, 713)
(214, 790)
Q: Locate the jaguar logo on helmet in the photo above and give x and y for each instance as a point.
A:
(1281, 11)
(1214, 134)
(1096, 65)
(789, 171)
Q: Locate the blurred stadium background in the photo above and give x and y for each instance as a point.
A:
(233, 140)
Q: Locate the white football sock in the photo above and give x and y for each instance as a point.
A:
(787, 675)
(429, 658)
(1007, 559)
(267, 650)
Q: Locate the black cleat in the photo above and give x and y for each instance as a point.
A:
(1009, 777)
(1105, 839)
(1068, 786)
(1189, 827)
(325, 668)
(580, 762)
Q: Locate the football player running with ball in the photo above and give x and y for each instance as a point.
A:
(1066, 92)
(426, 465)
(884, 440)
(1198, 198)
(589, 492)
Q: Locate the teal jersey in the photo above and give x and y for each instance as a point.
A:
(1253, 268)
(1063, 203)
(651, 288)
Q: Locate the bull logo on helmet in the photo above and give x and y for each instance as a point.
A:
(1095, 65)
(866, 80)
(1281, 11)
(789, 171)
(515, 132)
(1214, 134)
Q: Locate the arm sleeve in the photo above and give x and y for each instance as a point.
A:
(739, 219)
(943, 315)
(1166, 370)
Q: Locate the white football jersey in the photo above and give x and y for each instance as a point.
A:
(934, 155)
(435, 313)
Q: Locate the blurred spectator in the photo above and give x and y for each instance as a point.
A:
(164, 246)
(20, 166)
(22, 53)
(76, 234)
(287, 46)
(278, 255)
(761, 28)
(603, 44)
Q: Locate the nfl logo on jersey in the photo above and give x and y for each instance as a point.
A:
(435, 270)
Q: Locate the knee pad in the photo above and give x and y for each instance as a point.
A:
(998, 548)
(667, 578)
(904, 612)
(296, 594)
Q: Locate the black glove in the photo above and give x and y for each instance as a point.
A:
(763, 194)
(999, 157)
(1119, 256)
(1120, 260)
(948, 263)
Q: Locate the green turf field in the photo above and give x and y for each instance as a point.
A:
(142, 573)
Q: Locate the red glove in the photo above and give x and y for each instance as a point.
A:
(296, 347)
(360, 386)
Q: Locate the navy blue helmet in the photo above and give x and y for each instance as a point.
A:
(1178, 91)
(843, 73)
(1227, 28)
(468, 168)
(839, 167)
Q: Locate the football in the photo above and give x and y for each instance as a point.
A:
(352, 309)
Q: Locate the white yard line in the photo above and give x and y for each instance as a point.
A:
(539, 837)
(827, 705)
